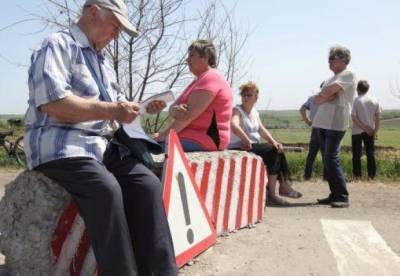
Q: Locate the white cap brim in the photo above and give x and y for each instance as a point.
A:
(127, 26)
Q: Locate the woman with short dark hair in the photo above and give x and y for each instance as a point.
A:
(203, 111)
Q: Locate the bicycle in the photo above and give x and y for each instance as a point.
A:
(15, 149)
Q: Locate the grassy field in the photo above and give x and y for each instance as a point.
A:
(297, 132)
(292, 118)
(387, 162)
(287, 128)
(387, 137)
(391, 123)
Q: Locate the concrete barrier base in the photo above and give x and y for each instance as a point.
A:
(41, 232)
(29, 212)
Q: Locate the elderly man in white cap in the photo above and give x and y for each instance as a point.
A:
(74, 102)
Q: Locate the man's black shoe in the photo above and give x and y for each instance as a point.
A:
(340, 204)
(324, 201)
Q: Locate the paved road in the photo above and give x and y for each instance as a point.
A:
(302, 239)
(292, 241)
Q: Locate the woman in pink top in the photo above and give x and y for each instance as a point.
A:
(203, 111)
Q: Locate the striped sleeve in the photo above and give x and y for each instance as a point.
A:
(49, 72)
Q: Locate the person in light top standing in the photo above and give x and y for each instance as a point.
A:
(313, 146)
(366, 115)
(332, 120)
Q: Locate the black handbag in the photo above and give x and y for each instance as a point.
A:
(140, 149)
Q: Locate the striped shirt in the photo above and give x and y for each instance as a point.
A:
(58, 69)
(311, 106)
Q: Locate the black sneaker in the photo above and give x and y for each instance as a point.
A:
(340, 204)
(324, 201)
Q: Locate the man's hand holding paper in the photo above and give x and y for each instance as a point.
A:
(152, 105)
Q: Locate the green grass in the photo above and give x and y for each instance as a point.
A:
(387, 162)
(391, 123)
(8, 161)
(386, 137)
(287, 127)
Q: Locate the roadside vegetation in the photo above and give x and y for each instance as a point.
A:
(14, 123)
(287, 127)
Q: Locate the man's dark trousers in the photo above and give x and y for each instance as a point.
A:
(121, 204)
(369, 144)
(313, 149)
(330, 145)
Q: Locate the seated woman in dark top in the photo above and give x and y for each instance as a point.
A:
(247, 131)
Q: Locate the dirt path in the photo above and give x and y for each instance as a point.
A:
(291, 241)
(6, 175)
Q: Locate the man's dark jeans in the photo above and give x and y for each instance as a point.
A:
(313, 149)
(330, 141)
(369, 144)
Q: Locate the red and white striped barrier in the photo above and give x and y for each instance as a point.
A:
(73, 254)
(232, 185)
(233, 188)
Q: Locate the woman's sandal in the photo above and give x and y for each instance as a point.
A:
(292, 194)
(277, 201)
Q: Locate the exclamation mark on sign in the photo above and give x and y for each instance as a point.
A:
(185, 206)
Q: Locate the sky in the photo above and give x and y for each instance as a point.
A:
(287, 48)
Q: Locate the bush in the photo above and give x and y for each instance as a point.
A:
(7, 161)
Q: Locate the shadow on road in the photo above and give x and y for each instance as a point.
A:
(301, 204)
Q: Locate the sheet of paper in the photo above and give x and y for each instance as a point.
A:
(135, 130)
(166, 96)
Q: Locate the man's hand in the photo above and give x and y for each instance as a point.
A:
(155, 107)
(369, 131)
(126, 112)
(180, 112)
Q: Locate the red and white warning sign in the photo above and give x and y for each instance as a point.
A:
(190, 224)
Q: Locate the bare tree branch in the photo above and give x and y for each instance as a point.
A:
(156, 59)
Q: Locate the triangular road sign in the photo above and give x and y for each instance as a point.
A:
(191, 228)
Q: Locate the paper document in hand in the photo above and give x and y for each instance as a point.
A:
(135, 130)
(166, 96)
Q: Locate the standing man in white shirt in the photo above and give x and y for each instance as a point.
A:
(366, 115)
(332, 119)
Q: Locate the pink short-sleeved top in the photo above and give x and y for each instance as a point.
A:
(211, 129)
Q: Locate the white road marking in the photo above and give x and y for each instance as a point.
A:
(359, 249)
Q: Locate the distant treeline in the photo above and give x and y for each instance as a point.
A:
(390, 114)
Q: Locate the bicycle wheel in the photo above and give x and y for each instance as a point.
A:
(19, 151)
